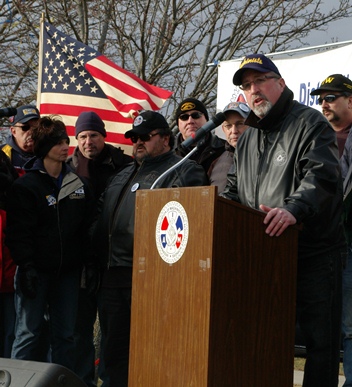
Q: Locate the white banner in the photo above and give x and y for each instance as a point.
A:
(302, 74)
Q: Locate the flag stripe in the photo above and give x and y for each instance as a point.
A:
(130, 80)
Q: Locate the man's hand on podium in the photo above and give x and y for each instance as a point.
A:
(277, 219)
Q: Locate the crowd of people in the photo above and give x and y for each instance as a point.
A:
(67, 222)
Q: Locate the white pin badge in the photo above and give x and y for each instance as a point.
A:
(135, 187)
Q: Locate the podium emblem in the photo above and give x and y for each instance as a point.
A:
(171, 233)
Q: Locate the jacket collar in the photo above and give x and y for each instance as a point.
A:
(275, 115)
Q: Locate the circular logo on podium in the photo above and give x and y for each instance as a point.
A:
(171, 233)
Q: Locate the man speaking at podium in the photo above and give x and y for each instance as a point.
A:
(113, 232)
(287, 165)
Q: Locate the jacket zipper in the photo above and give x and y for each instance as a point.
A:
(116, 210)
(260, 167)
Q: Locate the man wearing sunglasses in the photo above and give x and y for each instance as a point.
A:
(113, 232)
(19, 147)
(191, 115)
(286, 164)
(335, 98)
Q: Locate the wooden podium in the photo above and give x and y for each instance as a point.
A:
(223, 314)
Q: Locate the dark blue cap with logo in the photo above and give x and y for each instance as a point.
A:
(258, 62)
(26, 113)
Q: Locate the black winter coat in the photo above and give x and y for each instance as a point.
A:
(113, 232)
(290, 159)
(48, 226)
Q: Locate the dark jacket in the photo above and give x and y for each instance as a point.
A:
(346, 170)
(220, 167)
(208, 150)
(16, 155)
(113, 233)
(99, 171)
(290, 159)
(48, 226)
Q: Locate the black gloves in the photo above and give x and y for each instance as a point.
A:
(92, 278)
(29, 279)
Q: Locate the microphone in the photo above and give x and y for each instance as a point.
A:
(217, 120)
(8, 112)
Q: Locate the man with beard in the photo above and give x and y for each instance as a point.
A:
(113, 232)
(335, 97)
(286, 164)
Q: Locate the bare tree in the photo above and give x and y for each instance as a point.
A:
(168, 43)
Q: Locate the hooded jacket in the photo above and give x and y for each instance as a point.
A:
(113, 233)
(47, 226)
(290, 159)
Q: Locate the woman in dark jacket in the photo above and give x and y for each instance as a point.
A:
(48, 216)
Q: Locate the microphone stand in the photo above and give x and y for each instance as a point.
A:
(188, 155)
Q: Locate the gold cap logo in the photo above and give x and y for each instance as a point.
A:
(188, 106)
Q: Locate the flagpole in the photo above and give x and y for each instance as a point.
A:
(40, 61)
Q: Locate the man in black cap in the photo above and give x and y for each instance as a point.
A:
(19, 147)
(97, 161)
(191, 115)
(335, 98)
(113, 233)
(286, 164)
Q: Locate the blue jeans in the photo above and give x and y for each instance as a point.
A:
(319, 305)
(57, 294)
(347, 319)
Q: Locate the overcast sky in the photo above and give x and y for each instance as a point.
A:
(339, 31)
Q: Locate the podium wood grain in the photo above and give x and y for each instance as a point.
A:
(224, 314)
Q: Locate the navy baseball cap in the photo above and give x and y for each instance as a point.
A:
(258, 62)
(26, 113)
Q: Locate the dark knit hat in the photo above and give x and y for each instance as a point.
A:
(335, 82)
(89, 121)
(26, 113)
(258, 62)
(191, 104)
(48, 133)
(146, 122)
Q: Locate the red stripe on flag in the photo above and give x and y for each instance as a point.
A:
(151, 89)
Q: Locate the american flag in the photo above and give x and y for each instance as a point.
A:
(74, 78)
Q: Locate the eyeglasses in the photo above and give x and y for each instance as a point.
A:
(143, 137)
(257, 82)
(329, 98)
(195, 116)
(25, 127)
